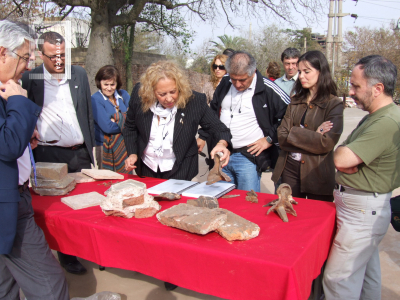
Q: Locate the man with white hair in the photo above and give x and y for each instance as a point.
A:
(26, 261)
(252, 107)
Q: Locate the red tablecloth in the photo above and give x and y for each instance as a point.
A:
(280, 263)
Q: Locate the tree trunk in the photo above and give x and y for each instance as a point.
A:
(99, 51)
(129, 58)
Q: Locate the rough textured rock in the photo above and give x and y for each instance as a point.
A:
(204, 201)
(55, 191)
(187, 217)
(50, 171)
(124, 198)
(102, 174)
(52, 184)
(167, 197)
(284, 205)
(252, 197)
(237, 228)
(83, 200)
(145, 212)
(80, 177)
(216, 174)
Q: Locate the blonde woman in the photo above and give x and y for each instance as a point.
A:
(162, 122)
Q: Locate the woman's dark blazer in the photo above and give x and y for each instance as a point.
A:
(187, 120)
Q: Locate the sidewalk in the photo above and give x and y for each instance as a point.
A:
(132, 285)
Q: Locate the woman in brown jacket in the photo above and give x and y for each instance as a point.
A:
(310, 130)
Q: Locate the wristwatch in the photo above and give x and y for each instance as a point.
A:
(269, 140)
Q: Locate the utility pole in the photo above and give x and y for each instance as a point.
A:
(329, 39)
(340, 34)
(334, 41)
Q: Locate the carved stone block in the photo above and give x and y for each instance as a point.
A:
(55, 191)
(50, 171)
(83, 200)
(237, 228)
(187, 217)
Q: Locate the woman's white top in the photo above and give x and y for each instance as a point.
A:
(159, 153)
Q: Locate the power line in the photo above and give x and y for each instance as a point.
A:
(381, 5)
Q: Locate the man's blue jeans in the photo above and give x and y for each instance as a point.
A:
(243, 173)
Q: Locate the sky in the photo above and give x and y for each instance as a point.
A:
(372, 13)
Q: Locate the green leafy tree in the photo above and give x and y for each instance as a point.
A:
(226, 41)
(166, 16)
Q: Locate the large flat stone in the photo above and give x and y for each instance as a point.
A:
(237, 228)
(50, 171)
(102, 174)
(81, 178)
(194, 219)
(51, 184)
(83, 200)
(54, 191)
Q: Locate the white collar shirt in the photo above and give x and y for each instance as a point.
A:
(58, 120)
(237, 113)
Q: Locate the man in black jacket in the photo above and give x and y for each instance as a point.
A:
(252, 107)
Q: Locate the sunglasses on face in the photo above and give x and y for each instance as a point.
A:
(221, 67)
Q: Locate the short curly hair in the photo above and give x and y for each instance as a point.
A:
(274, 70)
(161, 70)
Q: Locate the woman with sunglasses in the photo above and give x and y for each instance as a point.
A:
(310, 130)
(218, 69)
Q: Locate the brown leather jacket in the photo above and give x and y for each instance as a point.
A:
(317, 170)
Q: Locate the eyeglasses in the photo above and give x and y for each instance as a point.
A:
(53, 141)
(55, 57)
(26, 59)
(221, 67)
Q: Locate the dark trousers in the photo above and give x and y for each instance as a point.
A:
(31, 266)
(75, 159)
(146, 171)
(291, 176)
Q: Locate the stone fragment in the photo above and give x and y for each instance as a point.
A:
(80, 177)
(284, 204)
(216, 174)
(83, 200)
(102, 174)
(55, 191)
(252, 197)
(124, 198)
(167, 197)
(50, 171)
(230, 196)
(204, 201)
(145, 212)
(187, 217)
(50, 184)
(237, 228)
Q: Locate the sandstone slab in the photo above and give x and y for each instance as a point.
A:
(237, 228)
(204, 201)
(55, 191)
(80, 177)
(50, 171)
(52, 184)
(102, 174)
(83, 200)
(194, 219)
